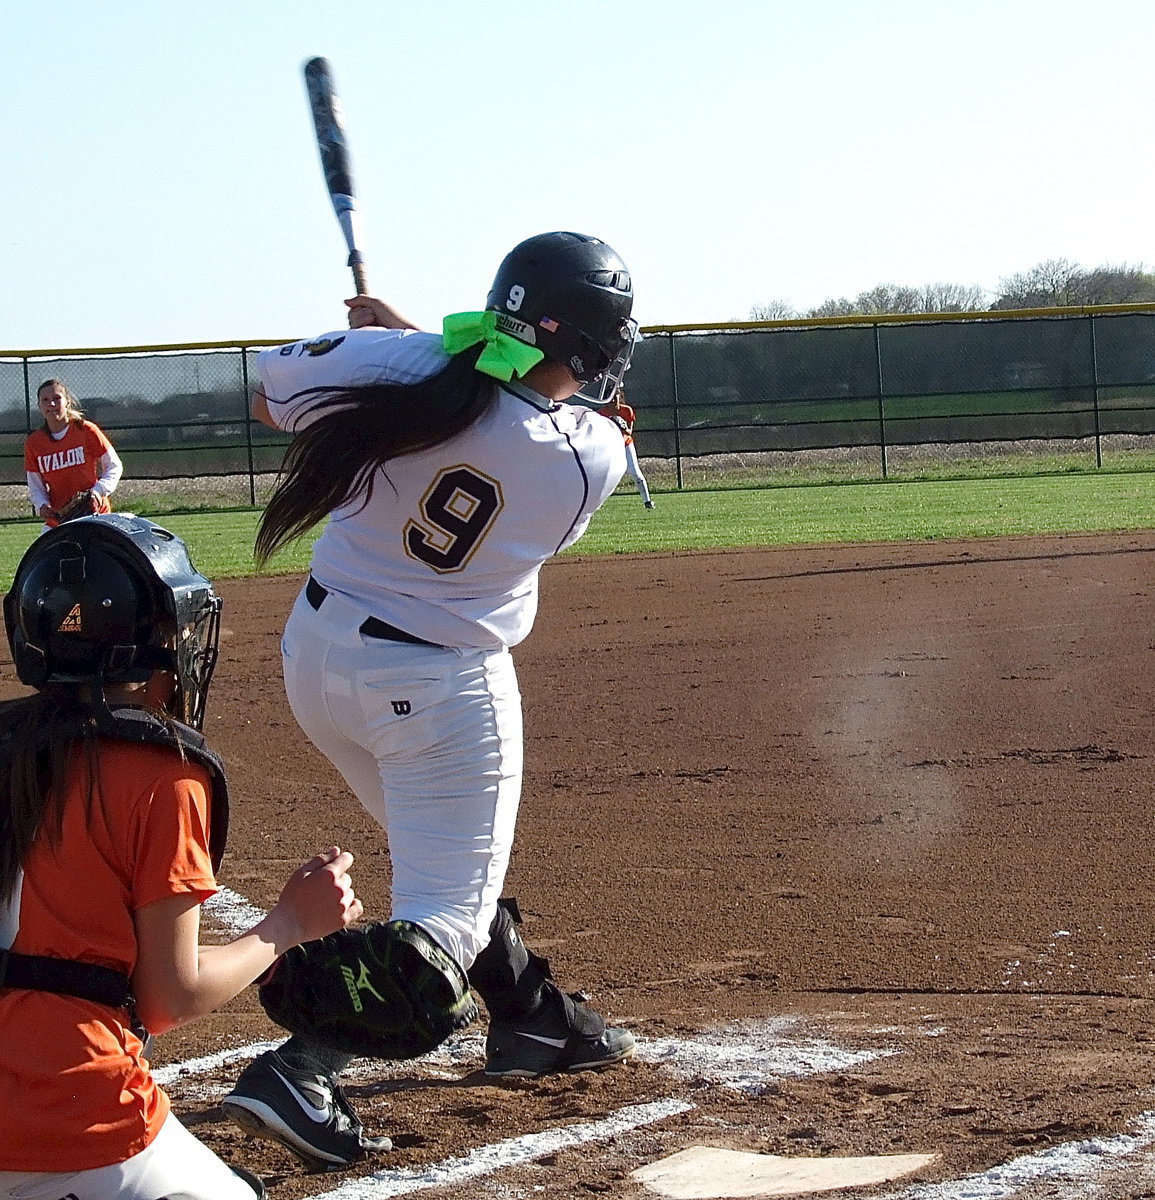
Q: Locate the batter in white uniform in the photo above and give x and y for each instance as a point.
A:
(452, 468)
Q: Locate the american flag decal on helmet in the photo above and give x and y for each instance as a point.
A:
(548, 324)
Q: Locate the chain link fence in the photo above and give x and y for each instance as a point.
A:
(897, 396)
(178, 417)
(725, 405)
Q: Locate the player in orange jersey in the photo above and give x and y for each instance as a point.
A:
(113, 816)
(624, 416)
(67, 456)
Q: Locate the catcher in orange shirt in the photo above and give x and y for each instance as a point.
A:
(71, 465)
(113, 816)
(623, 415)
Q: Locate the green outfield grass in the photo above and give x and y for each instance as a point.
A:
(221, 542)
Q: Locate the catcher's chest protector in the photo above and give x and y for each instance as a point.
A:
(139, 725)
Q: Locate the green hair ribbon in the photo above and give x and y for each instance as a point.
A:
(503, 357)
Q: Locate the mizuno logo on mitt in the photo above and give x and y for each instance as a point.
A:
(359, 983)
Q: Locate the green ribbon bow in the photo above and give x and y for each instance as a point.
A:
(503, 357)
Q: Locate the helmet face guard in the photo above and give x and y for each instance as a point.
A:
(109, 600)
(602, 389)
(570, 296)
(198, 634)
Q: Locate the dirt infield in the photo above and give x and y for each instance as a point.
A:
(890, 799)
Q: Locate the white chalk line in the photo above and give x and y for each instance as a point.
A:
(514, 1152)
(233, 912)
(1070, 1162)
(175, 1072)
(745, 1057)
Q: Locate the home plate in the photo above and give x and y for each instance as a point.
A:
(708, 1173)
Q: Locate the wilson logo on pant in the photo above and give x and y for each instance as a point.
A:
(401, 708)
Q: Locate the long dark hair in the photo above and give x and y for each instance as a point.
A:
(38, 736)
(334, 460)
(43, 739)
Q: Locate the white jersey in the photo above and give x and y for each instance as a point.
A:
(451, 543)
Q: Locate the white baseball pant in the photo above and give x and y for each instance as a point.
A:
(635, 470)
(430, 741)
(175, 1166)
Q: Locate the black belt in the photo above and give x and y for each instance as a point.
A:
(68, 977)
(371, 626)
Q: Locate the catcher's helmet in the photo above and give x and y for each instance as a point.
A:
(111, 599)
(570, 296)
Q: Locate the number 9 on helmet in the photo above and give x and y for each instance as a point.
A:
(571, 296)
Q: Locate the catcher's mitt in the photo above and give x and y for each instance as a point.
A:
(83, 504)
(386, 990)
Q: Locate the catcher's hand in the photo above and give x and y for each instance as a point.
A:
(83, 504)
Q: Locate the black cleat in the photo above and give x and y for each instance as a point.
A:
(563, 1034)
(306, 1112)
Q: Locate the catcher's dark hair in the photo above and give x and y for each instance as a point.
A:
(38, 736)
(334, 461)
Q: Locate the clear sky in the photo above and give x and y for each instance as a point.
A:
(161, 183)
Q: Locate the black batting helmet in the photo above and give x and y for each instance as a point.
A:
(570, 296)
(111, 599)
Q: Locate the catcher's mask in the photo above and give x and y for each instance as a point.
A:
(570, 296)
(111, 599)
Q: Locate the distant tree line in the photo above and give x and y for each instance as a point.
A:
(1052, 284)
